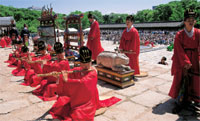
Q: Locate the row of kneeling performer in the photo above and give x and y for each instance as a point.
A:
(74, 89)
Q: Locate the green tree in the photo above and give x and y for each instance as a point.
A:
(18, 15)
(144, 16)
(162, 12)
(106, 19)
(172, 11)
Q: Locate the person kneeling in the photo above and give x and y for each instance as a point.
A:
(78, 94)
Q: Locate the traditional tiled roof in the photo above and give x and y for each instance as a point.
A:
(5, 21)
(144, 25)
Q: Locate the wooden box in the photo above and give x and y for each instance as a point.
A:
(123, 79)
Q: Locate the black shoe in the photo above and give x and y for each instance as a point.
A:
(134, 78)
(177, 109)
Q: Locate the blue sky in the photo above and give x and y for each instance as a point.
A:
(104, 6)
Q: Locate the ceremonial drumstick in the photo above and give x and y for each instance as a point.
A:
(129, 52)
(126, 51)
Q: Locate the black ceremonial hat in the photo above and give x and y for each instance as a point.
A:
(189, 13)
(85, 54)
(90, 15)
(41, 45)
(58, 47)
(25, 49)
(18, 42)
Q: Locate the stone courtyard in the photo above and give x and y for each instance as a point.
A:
(147, 100)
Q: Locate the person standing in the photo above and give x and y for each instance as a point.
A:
(25, 35)
(185, 66)
(93, 42)
(14, 34)
(130, 44)
(3, 42)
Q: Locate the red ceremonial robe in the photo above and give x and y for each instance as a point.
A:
(94, 44)
(186, 52)
(13, 62)
(8, 41)
(49, 47)
(29, 73)
(146, 43)
(10, 58)
(3, 42)
(48, 87)
(78, 97)
(22, 66)
(131, 41)
(31, 78)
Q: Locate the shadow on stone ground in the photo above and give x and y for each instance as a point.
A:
(185, 115)
(43, 117)
(107, 85)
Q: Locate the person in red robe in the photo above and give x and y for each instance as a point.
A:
(36, 64)
(17, 54)
(3, 42)
(93, 42)
(23, 66)
(48, 87)
(146, 43)
(14, 34)
(8, 41)
(78, 94)
(11, 56)
(185, 66)
(49, 48)
(130, 43)
(14, 40)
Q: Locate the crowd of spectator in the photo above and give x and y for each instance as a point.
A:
(157, 36)
(146, 36)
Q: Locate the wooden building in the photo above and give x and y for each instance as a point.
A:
(6, 24)
(174, 26)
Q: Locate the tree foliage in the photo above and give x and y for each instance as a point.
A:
(173, 11)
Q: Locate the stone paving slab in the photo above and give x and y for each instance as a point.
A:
(6, 96)
(149, 98)
(9, 117)
(164, 88)
(155, 73)
(6, 71)
(34, 99)
(29, 113)
(166, 76)
(4, 79)
(151, 82)
(133, 90)
(9, 106)
(102, 118)
(45, 105)
(149, 116)
(125, 111)
(17, 78)
(16, 87)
